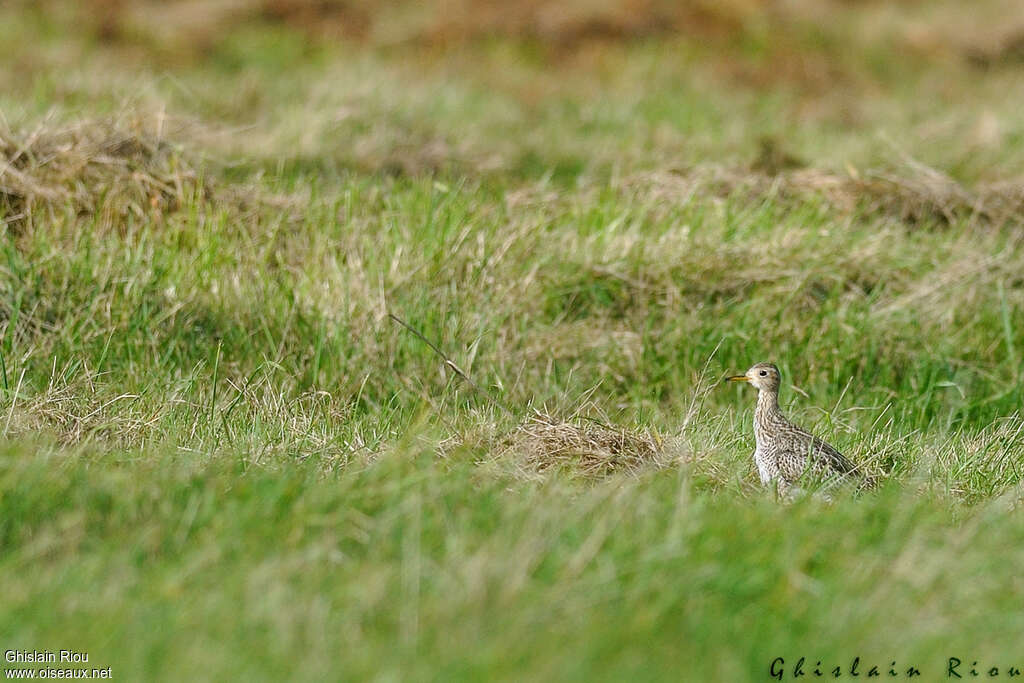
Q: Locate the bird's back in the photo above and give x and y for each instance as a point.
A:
(798, 451)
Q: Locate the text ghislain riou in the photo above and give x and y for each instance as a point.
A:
(953, 668)
(45, 656)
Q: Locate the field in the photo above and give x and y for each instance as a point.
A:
(222, 458)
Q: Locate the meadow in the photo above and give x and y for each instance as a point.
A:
(222, 458)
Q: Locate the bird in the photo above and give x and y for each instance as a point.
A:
(785, 452)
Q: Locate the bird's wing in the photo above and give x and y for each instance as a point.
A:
(823, 453)
(827, 454)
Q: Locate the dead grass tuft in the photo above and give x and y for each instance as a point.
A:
(585, 446)
(914, 193)
(111, 169)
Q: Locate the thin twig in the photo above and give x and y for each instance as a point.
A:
(451, 364)
(703, 389)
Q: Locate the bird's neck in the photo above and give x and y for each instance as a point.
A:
(767, 409)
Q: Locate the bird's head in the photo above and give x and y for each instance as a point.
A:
(763, 377)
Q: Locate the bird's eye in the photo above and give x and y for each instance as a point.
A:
(764, 373)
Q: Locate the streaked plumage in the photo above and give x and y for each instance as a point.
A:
(786, 452)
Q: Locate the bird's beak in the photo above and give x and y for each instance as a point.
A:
(737, 378)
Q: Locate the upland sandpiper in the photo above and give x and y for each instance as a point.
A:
(784, 452)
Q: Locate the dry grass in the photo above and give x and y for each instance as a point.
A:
(944, 27)
(584, 446)
(913, 193)
(930, 196)
(111, 169)
(559, 24)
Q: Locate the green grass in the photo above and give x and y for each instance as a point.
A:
(220, 459)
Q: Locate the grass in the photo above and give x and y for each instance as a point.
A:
(220, 457)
